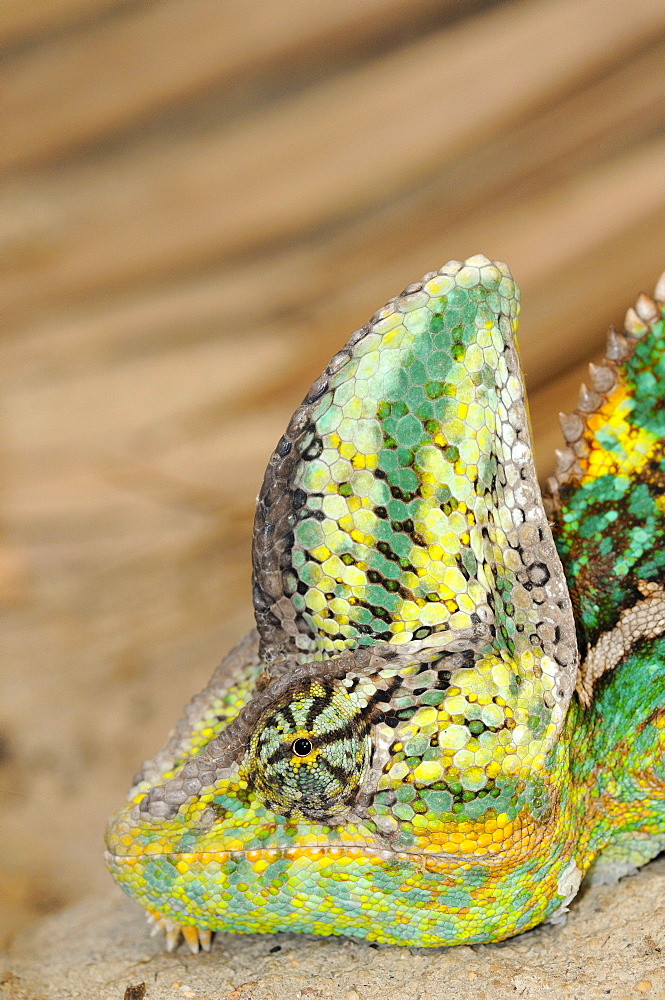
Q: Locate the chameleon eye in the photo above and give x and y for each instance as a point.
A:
(302, 747)
(308, 755)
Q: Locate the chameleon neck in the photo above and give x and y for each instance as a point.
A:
(606, 787)
(617, 765)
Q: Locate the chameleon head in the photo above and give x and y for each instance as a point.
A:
(384, 762)
(408, 805)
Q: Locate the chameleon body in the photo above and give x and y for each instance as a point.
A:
(454, 702)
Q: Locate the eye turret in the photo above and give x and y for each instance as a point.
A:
(308, 755)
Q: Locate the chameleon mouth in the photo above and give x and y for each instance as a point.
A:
(333, 850)
(330, 850)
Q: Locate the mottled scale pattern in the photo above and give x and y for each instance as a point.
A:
(407, 504)
(411, 749)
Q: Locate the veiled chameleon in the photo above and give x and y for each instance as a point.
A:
(452, 706)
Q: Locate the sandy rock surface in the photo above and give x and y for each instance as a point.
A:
(613, 945)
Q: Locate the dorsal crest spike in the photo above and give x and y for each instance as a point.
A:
(634, 326)
(659, 290)
(617, 345)
(646, 308)
(602, 377)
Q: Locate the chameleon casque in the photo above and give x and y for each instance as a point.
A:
(454, 702)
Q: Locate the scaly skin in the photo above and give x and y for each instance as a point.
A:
(398, 753)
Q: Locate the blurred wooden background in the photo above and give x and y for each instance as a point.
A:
(202, 199)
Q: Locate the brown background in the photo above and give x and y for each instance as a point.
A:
(201, 200)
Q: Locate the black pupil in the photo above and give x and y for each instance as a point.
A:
(301, 747)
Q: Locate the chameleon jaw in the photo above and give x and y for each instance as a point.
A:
(438, 904)
(154, 875)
